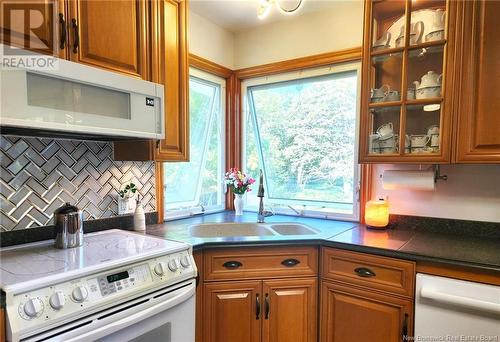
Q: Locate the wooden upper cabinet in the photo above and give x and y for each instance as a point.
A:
(352, 314)
(290, 310)
(110, 35)
(38, 25)
(232, 312)
(171, 68)
(478, 133)
(407, 81)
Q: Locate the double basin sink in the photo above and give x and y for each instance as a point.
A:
(209, 230)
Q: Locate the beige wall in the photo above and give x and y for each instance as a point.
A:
(472, 192)
(305, 35)
(210, 41)
(300, 36)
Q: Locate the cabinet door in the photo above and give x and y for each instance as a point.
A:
(478, 135)
(110, 34)
(232, 311)
(349, 314)
(290, 310)
(38, 26)
(171, 68)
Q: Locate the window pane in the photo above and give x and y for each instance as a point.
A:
(199, 181)
(307, 138)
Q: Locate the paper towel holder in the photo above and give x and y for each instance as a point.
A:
(437, 174)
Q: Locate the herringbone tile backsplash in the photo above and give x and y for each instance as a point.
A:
(39, 175)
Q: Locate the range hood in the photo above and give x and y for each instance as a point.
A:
(72, 100)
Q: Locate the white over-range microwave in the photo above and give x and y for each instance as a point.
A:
(75, 100)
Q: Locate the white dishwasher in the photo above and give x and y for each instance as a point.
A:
(456, 310)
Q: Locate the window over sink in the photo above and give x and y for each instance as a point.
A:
(197, 186)
(301, 129)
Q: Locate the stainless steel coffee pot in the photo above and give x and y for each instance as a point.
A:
(68, 221)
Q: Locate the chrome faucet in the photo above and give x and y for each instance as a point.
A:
(262, 214)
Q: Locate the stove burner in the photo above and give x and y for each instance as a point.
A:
(133, 244)
(31, 265)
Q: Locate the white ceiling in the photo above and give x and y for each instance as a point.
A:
(240, 15)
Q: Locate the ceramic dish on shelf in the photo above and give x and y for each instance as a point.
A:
(433, 21)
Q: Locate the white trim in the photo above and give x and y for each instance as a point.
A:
(298, 75)
(191, 208)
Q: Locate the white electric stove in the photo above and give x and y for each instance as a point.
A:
(119, 286)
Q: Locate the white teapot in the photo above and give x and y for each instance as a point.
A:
(431, 79)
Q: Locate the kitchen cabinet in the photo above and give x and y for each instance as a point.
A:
(110, 34)
(170, 67)
(290, 310)
(365, 297)
(45, 33)
(407, 81)
(2, 325)
(355, 314)
(478, 124)
(233, 311)
(420, 57)
(260, 294)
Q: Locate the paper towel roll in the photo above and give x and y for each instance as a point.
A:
(411, 180)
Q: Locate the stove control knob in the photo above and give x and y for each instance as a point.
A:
(172, 265)
(33, 307)
(57, 300)
(160, 268)
(80, 293)
(185, 262)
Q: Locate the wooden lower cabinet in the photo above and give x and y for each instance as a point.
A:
(232, 311)
(278, 310)
(290, 310)
(198, 259)
(350, 314)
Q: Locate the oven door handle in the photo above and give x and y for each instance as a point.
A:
(177, 298)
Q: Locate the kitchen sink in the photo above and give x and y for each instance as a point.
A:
(208, 230)
(293, 229)
(230, 230)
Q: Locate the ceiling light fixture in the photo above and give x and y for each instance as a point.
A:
(266, 6)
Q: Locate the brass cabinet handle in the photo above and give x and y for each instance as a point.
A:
(290, 262)
(233, 264)
(62, 42)
(364, 272)
(76, 42)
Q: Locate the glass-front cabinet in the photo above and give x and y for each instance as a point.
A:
(407, 88)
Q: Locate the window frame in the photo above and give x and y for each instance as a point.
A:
(191, 209)
(297, 76)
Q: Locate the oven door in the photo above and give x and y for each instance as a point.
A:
(166, 316)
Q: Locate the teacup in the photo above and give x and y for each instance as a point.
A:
(419, 141)
(373, 144)
(385, 129)
(392, 95)
(378, 94)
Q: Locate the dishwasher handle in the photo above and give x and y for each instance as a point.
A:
(472, 303)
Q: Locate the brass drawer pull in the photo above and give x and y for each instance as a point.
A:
(232, 264)
(290, 262)
(364, 272)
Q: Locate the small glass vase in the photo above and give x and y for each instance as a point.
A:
(238, 204)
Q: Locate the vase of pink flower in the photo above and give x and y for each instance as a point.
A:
(239, 183)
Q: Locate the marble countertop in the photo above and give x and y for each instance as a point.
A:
(400, 241)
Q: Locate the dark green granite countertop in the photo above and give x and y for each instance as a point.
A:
(401, 242)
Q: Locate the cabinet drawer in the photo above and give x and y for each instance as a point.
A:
(379, 273)
(260, 262)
